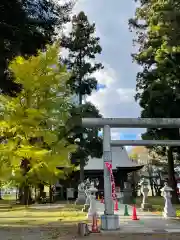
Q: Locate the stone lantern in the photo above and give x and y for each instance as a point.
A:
(145, 205)
(92, 211)
(81, 199)
(127, 193)
(88, 193)
(169, 211)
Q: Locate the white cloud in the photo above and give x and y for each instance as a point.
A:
(126, 94)
(113, 100)
(106, 76)
(115, 134)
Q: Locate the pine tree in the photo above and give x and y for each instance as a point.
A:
(83, 46)
(158, 84)
(30, 144)
(27, 26)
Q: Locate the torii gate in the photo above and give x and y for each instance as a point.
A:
(110, 221)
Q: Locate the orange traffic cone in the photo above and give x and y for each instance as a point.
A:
(102, 200)
(116, 205)
(95, 225)
(134, 215)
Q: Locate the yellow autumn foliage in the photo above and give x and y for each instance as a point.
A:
(30, 123)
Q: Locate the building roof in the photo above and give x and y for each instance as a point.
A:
(120, 159)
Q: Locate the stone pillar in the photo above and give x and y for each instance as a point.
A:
(107, 157)
(169, 211)
(109, 221)
(145, 205)
(127, 193)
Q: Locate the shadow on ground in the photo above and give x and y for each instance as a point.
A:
(56, 230)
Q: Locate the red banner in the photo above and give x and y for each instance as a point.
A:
(109, 167)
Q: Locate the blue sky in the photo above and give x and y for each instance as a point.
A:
(128, 136)
(116, 90)
(100, 86)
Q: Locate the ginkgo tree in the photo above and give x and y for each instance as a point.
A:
(30, 123)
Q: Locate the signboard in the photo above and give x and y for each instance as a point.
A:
(70, 193)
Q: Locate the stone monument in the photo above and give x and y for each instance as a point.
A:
(81, 199)
(169, 211)
(145, 205)
(127, 193)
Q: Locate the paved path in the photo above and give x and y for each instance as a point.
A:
(148, 222)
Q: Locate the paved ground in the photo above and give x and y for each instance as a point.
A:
(142, 236)
(148, 222)
(51, 232)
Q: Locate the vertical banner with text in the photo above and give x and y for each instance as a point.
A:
(109, 167)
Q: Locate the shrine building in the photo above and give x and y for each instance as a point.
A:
(122, 165)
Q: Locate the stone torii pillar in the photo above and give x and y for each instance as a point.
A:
(109, 221)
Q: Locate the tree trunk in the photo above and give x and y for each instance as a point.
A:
(171, 176)
(81, 139)
(51, 200)
(0, 191)
(25, 195)
(35, 193)
(40, 194)
(157, 190)
(41, 189)
(24, 190)
(152, 186)
(20, 194)
(149, 168)
(81, 170)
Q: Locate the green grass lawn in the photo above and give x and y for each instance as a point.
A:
(12, 214)
(157, 204)
(53, 223)
(21, 215)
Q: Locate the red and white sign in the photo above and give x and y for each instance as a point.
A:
(109, 167)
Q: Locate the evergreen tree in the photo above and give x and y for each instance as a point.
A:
(26, 26)
(158, 84)
(83, 46)
(29, 125)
